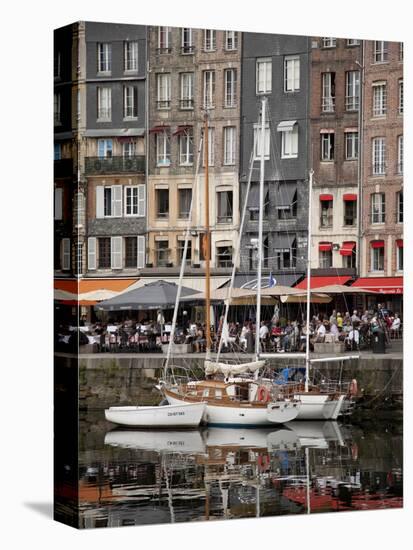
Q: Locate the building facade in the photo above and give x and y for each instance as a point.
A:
(192, 71)
(334, 137)
(277, 67)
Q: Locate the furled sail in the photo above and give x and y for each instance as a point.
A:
(226, 369)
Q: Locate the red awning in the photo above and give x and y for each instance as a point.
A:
(326, 197)
(377, 244)
(399, 243)
(182, 129)
(347, 248)
(349, 197)
(384, 285)
(158, 129)
(325, 246)
(317, 282)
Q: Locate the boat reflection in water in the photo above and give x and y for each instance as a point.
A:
(141, 477)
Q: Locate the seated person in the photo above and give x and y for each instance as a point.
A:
(353, 339)
(395, 326)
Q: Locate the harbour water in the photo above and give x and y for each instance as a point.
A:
(137, 477)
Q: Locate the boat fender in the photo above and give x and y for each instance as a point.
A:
(263, 394)
(353, 387)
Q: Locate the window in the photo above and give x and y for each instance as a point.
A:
(289, 143)
(130, 56)
(57, 65)
(379, 99)
(326, 257)
(352, 145)
(327, 146)
(79, 258)
(56, 109)
(253, 206)
(231, 40)
(224, 207)
(211, 147)
(399, 205)
(350, 213)
(380, 51)
(187, 45)
(258, 142)
(377, 257)
(163, 91)
(328, 92)
(291, 74)
(131, 252)
(400, 97)
(184, 202)
(104, 253)
(135, 200)
(349, 260)
(253, 253)
(164, 39)
(378, 208)
(104, 104)
(162, 203)
(229, 145)
(230, 83)
(57, 151)
(401, 52)
(285, 258)
(263, 76)
(352, 90)
(130, 102)
(208, 89)
(162, 253)
(399, 255)
(287, 212)
(210, 41)
(163, 149)
(186, 148)
(400, 155)
(58, 203)
(187, 90)
(181, 249)
(224, 255)
(353, 42)
(326, 213)
(105, 148)
(109, 201)
(65, 254)
(128, 149)
(104, 57)
(328, 42)
(379, 156)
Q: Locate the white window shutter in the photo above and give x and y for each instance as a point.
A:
(58, 198)
(91, 253)
(100, 201)
(141, 251)
(117, 201)
(65, 254)
(141, 200)
(116, 252)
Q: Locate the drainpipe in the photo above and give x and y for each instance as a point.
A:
(146, 142)
(360, 166)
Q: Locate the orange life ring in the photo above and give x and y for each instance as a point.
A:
(353, 387)
(263, 394)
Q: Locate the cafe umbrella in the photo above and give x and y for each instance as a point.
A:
(155, 295)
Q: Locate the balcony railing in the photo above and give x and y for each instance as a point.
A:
(352, 103)
(186, 103)
(328, 104)
(115, 165)
(379, 169)
(326, 221)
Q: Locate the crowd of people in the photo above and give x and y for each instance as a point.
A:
(278, 334)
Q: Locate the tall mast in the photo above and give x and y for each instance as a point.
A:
(260, 223)
(307, 335)
(207, 243)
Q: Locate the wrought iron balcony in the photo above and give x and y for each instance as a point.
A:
(115, 165)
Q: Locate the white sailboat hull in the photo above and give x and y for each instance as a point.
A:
(182, 415)
(312, 406)
(245, 415)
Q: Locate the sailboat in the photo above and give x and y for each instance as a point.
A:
(238, 400)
